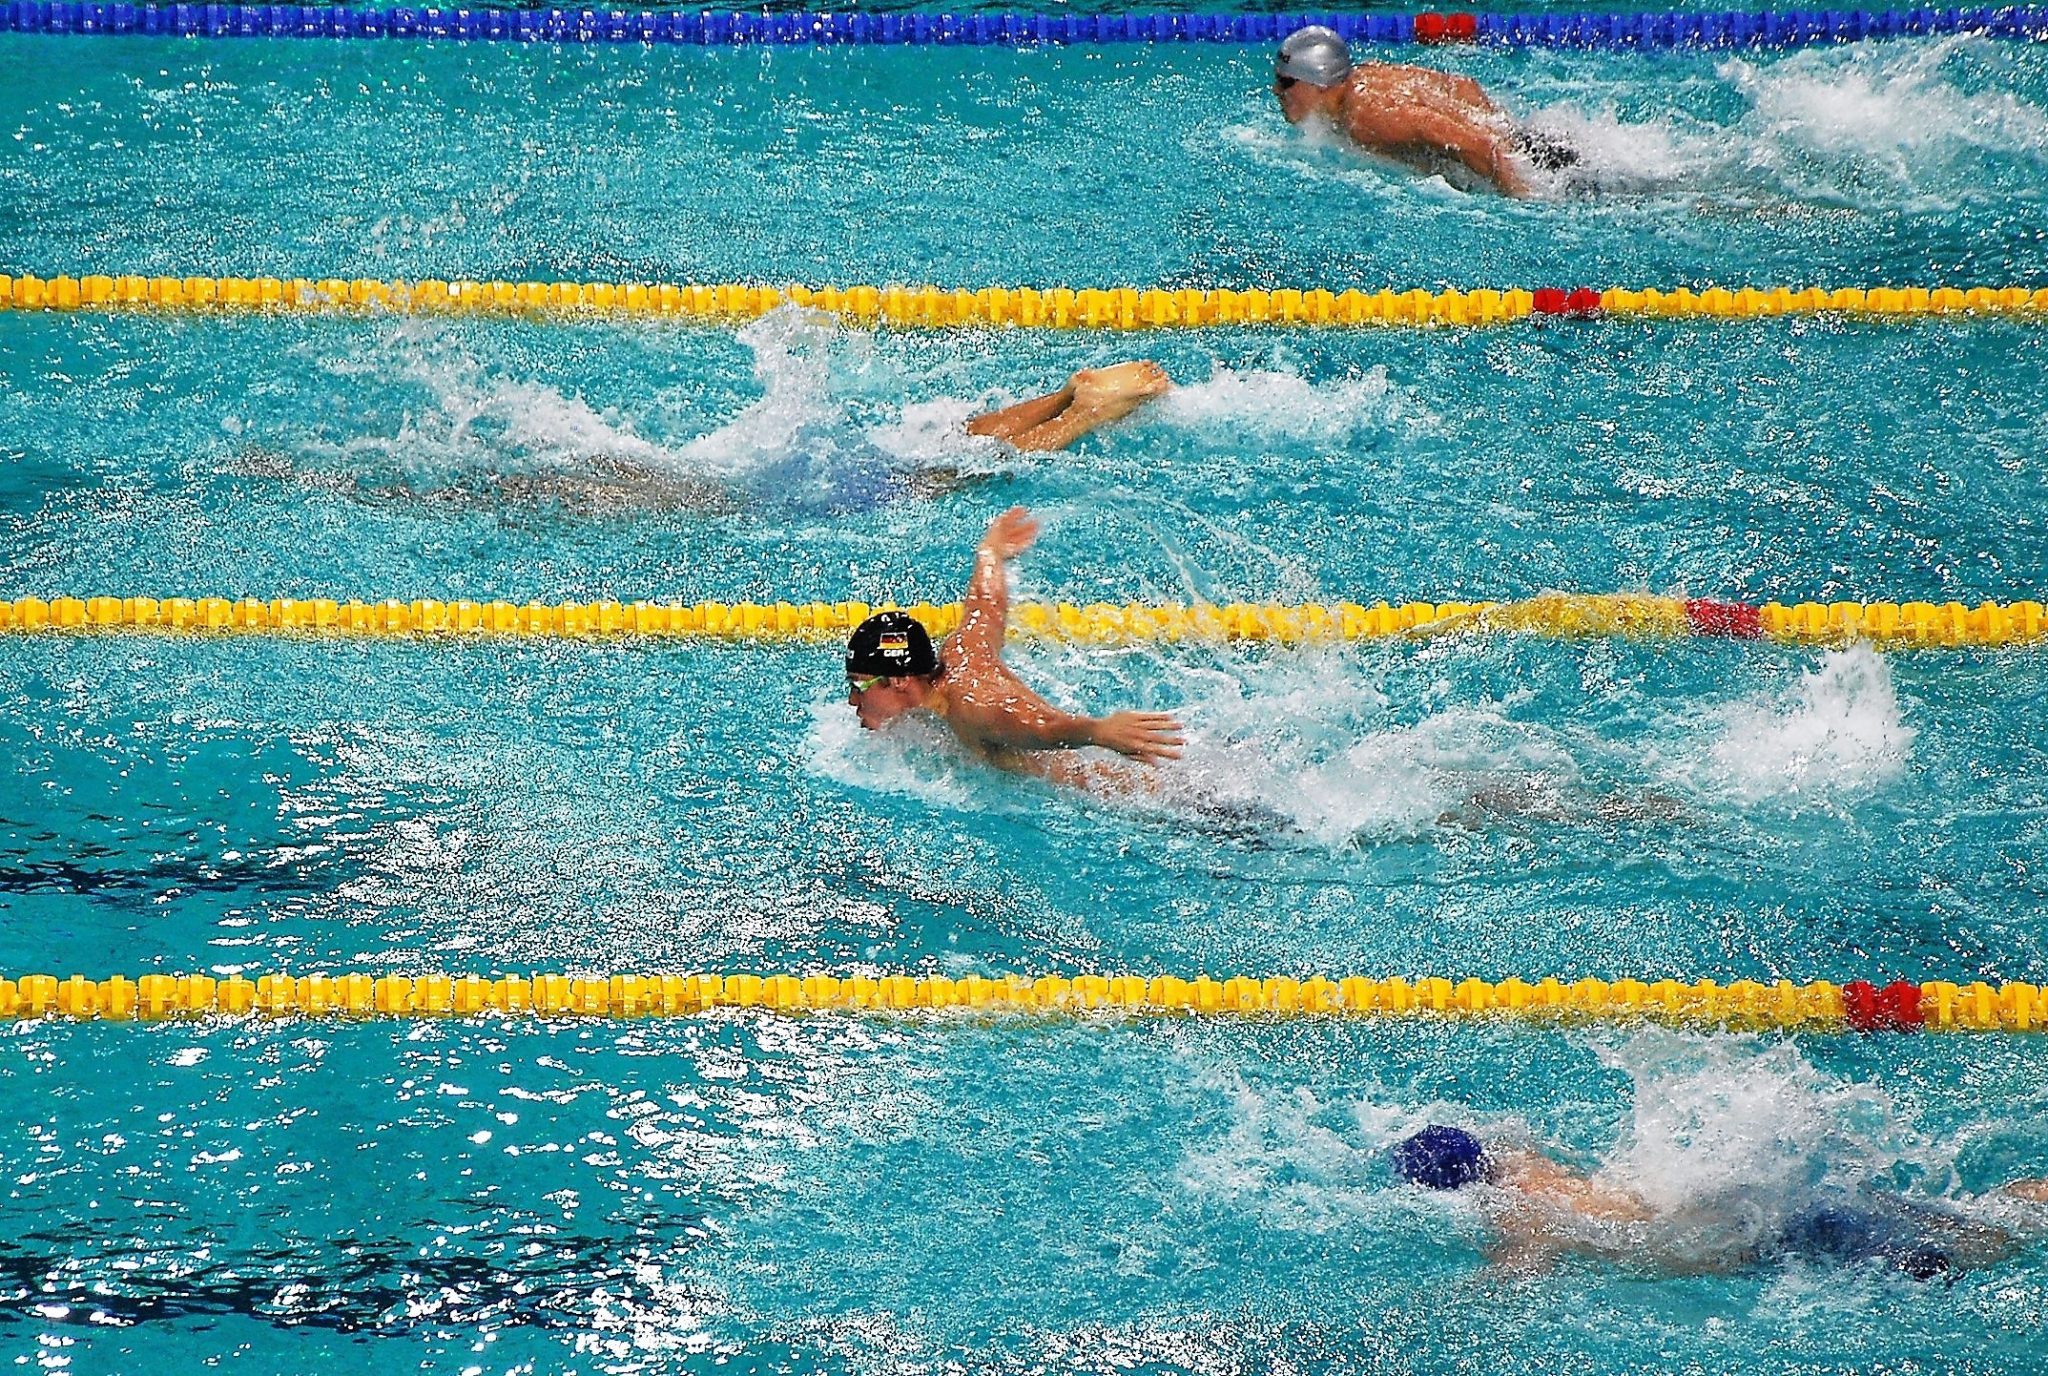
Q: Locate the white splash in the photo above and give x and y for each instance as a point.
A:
(930, 434)
(793, 363)
(1895, 102)
(915, 758)
(1286, 405)
(1313, 746)
(1919, 125)
(1839, 732)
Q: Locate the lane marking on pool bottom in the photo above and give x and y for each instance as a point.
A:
(1111, 308)
(1818, 1005)
(1620, 31)
(1891, 624)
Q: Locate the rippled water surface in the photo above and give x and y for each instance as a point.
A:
(920, 1195)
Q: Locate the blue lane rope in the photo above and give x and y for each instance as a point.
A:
(1787, 29)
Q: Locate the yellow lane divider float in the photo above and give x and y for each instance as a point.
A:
(1822, 1006)
(1553, 614)
(1062, 308)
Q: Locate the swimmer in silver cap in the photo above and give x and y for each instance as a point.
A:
(1431, 121)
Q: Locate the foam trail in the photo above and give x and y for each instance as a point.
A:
(1313, 745)
(800, 443)
(1839, 732)
(477, 421)
(1901, 103)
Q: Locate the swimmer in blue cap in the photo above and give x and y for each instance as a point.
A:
(1448, 1158)
(1092, 398)
(892, 669)
(1431, 121)
(1535, 1193)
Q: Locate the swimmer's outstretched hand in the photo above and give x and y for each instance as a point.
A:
(1010, 534)
(1148, 736)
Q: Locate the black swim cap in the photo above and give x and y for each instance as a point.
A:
(1925, 1262)
(1440, 1158)
(891, 643)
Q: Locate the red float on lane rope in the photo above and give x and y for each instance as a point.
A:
(1734, 620)
(1558, 301)
(1446, 28)
(1894, 1008)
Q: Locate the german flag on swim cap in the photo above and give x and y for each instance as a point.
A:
(891, 643)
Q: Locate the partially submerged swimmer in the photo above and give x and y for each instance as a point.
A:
(603, 485)
(892, 669)
(1431, 121)
(1537, 1200)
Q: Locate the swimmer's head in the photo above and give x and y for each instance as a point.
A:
(1309, 64)
(1441, 1158)
(890, 666)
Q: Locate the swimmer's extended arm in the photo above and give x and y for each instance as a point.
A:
(985, 609)
(996, 711)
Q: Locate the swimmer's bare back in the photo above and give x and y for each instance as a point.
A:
(1421, 117)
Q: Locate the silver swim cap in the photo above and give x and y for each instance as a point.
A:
(1315, 55)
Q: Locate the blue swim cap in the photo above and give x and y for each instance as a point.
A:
(1440, 1158)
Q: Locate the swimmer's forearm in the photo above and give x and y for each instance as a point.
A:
(985, 610)
(1051, 729)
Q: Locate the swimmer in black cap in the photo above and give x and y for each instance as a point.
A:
(1534, 1193)
(892, 668)
(1432, 121)
(1092, 398)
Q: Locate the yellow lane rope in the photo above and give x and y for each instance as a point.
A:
(1060, 308)
(1555, 614)
(1819, 1005)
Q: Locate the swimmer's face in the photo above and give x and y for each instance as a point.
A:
(879, 701)
(1298, 100)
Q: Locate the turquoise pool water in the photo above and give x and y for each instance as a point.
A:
(873, 1195)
